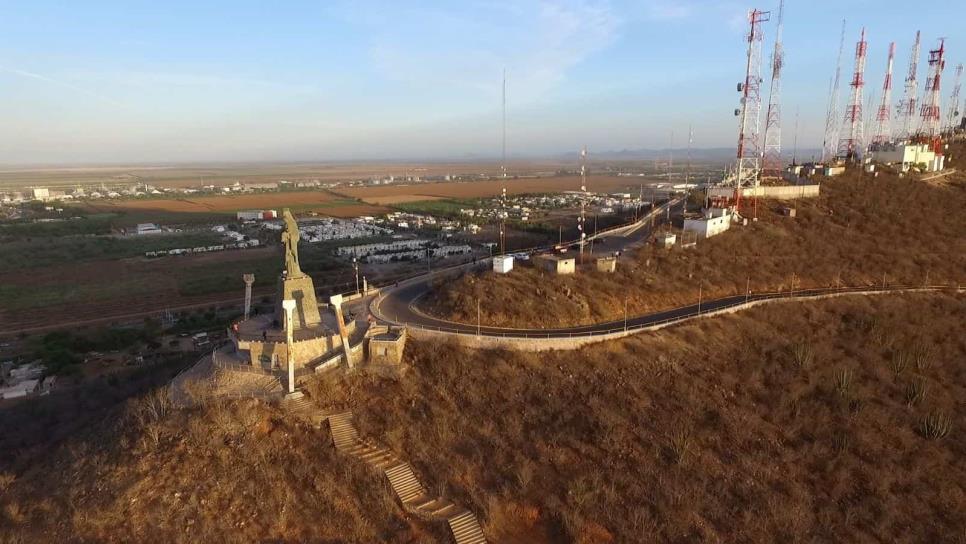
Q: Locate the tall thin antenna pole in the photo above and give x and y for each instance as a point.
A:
(795, 140)
(773, 129)
(503, 166)
(883, 131)
(954, 99)
(687, 168)
(832, 114)
(909, 104)
(583, 201)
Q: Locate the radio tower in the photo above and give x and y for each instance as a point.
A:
(850, 147)
(583, 201)
(773, 127)
(930, 111)
(954, 100)
(908, 105)
(832, 114)
(503, 213)
(748, 165)
(883, 116)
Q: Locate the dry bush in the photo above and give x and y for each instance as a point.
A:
(915, 391)
(935, 425)
(803, 354)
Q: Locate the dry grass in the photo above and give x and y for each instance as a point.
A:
(225, 472)
(861, 231)
(710, 431)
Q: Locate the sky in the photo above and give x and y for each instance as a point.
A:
(131, 81)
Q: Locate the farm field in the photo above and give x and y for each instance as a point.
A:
(227, 174)
(208, 206)
(488, 188)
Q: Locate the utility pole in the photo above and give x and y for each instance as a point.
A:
(355, 265)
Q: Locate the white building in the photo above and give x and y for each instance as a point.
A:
(503, 264)
(907, 156)
(40, 193)
(148, 228)
(714, 222)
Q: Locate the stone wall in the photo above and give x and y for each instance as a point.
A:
(780, 192)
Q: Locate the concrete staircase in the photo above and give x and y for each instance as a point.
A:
(303, 408)
(402, 478)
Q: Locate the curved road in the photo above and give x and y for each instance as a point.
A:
(398, 306)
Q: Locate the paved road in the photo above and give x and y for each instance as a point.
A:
(398, 308)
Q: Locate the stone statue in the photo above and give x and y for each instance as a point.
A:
(290, 237)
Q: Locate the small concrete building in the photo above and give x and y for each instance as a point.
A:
(40, 193)
(831, 171)
(607, 264)
(557, 264)
(907, 156)
(714, 222)
(502, 264)
(386, 348)
(666, 240)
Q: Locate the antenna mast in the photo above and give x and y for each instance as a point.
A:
(583, 201)
(850, 148)
(883, 116)
(954, 99)
(503, 164)
(773, 128)
(908, 105)
(930, 110)
(832, 114)
(748, 164)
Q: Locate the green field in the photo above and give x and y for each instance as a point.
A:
(19, 253)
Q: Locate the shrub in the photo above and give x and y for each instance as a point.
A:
(680, 444)
(935, 425)
(915, 391)
(923, 355)
(803, 354)
(843, 382)
(898, 362)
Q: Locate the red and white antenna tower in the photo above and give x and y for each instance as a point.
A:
(748, 166)
(850, 146)
(908, 106)
(832, 113)
(930, 111)
(954, 99)
(883, 116)
(773, 126)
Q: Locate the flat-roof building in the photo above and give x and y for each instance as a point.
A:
(556, 264)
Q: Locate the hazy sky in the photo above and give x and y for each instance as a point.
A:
(150, 81)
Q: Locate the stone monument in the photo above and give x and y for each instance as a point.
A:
(295, 284)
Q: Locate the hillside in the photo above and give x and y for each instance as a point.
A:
(788, 422)
(860, 231)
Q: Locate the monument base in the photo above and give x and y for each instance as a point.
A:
(302, 291)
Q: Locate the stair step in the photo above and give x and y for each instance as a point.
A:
(466, 529)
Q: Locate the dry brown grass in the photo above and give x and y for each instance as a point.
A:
(861, 231)
(225, 472)
(711, 431)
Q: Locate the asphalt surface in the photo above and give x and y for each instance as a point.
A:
(398, 307)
